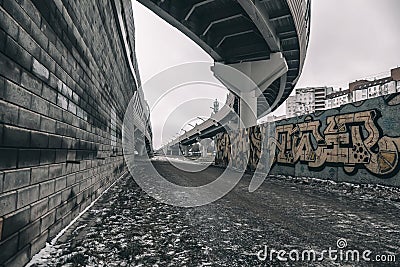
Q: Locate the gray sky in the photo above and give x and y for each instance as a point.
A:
(350, 39)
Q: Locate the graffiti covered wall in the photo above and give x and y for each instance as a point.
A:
(358, 142)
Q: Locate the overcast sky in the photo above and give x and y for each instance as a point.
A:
(350, 39)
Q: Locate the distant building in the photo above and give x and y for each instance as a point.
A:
(353, 85)
(338, 98)
(311, 99)
(291, 106)
(380, 87)
(307, 100)
(365, 89)
(320, 94)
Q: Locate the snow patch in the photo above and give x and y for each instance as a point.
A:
(50, 248)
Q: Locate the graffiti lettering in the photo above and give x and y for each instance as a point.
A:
(352, 140)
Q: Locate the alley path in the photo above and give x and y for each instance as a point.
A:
(126, 227)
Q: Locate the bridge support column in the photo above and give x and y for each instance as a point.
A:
(204, 144)
(249, 80)
(248, 109)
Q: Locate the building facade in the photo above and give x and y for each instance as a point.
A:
(337, 99)
(311, 99)
(376, 88)
(307, 100)
(365, 89)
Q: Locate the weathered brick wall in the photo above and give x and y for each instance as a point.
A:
(358, 142)
(65, 82)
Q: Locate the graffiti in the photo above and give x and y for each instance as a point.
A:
(352, 140)
(356, 143)
(293, 141)
(223, 148)
(240, 149)
(255, 147)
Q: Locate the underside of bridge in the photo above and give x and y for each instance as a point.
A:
(236, 31)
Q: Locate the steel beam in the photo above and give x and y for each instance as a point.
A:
(232, 35)
(261, 20)
(219, 21)
(202, 3)
(280, 17)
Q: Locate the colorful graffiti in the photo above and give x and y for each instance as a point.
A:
(352, 140)
(255, 136)
(233, 149)
(240, 149)
(223, 149)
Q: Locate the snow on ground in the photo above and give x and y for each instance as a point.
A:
(179, 159)
(364, 191)
(126, 227)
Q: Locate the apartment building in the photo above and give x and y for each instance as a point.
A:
(307, 100)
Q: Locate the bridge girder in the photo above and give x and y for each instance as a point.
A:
(234, 31)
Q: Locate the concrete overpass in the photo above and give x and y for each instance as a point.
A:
(218, 122)
(265, 39)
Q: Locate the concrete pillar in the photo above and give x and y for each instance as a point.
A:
(249, 80)
(204, 144)
(248, 110)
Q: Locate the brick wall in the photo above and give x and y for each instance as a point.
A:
(65, 82)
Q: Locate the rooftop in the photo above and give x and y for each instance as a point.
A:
(374, 83)
(338, 93)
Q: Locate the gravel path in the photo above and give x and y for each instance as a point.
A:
(126, 227)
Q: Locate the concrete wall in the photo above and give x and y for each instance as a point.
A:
(358, 142)
(64, 86)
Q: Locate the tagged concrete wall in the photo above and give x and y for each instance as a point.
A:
(65, 82)
(359, 142)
